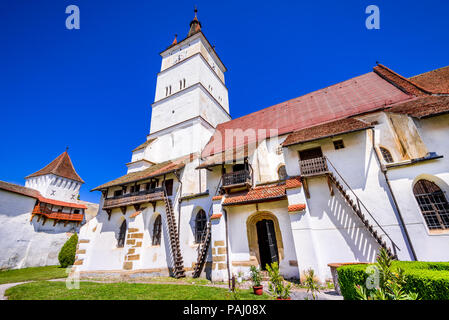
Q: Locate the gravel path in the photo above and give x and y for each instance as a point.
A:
(6, 286)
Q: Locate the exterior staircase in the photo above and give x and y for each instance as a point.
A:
(206, 239)
(357, 206)
(178, 263)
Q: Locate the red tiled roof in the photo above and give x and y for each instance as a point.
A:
(436, 81)
(19, 190)
(366, 93)
(399, 81)
(216, 216)
(423, 107)
(296, 207)
(326, 130)
(294, 182)
(270, 192)
(37, 195)
(153, 171)
(62, 203)
(62, 166)
(217, 198)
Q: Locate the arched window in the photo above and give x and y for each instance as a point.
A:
(122, 235)
(386, 155)
(157, 227)
(433, 204)
(282, 173)
(200, 226)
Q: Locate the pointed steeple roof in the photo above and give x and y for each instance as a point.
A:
(195, 25)
(62, 166)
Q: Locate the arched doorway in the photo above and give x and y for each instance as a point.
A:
(266, 238)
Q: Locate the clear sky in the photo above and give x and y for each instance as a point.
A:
(91, 89)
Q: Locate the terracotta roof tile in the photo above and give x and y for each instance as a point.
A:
(399, 81)
(216, 216)
(423, 107)
(62, 203)
(362, 94)
(20, 190)
(296, 207)
(436, 81)
(37, 195)
(62, 166)
(294, 182)
(258, 194)
(153, 171)
(326, 130)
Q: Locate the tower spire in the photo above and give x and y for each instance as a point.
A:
(195, 24)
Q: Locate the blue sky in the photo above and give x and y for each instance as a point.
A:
(91, 89)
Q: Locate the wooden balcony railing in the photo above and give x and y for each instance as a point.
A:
(57, 215)
(134, 198)
(313, 167)
(237, 178)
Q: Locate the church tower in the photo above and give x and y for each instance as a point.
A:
(191, 100)
(58, 180)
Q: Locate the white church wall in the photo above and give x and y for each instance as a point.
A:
(28, 243)
(428, 245)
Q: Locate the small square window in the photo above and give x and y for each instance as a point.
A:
(338, 144)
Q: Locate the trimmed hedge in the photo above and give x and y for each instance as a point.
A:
(67, 254)
(429, 279)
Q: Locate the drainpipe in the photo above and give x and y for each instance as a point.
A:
(414, 257)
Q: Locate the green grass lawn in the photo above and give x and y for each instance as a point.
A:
(45, 290)
(28, 274)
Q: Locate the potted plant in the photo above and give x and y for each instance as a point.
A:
(276, 285)
(256, 277)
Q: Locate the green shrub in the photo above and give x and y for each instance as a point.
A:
(66, 256)
(429, 279)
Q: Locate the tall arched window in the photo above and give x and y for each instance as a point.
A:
(433, 204)
(282, 173)
(122, 235)
(200, 225)
(157, 227)
(386, 155)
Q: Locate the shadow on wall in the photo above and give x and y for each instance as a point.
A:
(359, 241)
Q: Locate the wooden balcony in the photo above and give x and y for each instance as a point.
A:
(134, 198)
(46, 212)
(237, 179)
(313, 167)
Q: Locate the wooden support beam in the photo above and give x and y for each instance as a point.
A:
(109, 211)
(154, 206)
(123, 210)
(306, 187)
(329, 183)
(137, 207)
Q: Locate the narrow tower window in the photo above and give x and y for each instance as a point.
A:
(386, 155)
(122, 235)
(433, 204)
(200, 226)
(157, 231)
